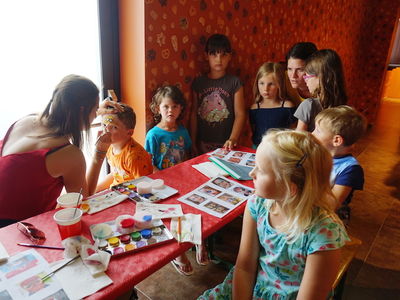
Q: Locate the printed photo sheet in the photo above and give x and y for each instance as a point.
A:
(237, 157)
(218, 196)
(20, 278)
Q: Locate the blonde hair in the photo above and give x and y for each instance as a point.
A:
(278, 72)
(344, 121)
(298, 158)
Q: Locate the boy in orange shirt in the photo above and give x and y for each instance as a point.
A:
(127, 159)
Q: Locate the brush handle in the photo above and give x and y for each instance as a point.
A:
(40, 246)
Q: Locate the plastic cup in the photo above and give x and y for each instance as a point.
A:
(68, 224)
(69, 200)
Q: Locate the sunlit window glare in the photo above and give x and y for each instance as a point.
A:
(42, 41)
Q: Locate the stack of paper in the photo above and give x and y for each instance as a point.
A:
(210, 170)
(237, 171)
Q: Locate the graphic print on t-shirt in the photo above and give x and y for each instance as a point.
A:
(119, 174)
(172, 153)
(213, 109)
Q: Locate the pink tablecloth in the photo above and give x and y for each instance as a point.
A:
(128, 270)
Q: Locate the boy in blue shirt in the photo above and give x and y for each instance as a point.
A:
(338, 129)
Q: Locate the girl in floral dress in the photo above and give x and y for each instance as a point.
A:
(291, 240)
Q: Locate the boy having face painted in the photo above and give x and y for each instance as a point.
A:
(127, 159)
(338, 129)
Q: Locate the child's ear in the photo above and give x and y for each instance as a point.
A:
(130, 132)
(337, 140)
(293, 189)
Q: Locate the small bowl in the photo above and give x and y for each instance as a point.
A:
(69, 200)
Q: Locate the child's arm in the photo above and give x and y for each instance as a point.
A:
(102, 144)
(319, 274)
(341, 192)
(240, 118)
(301, 126)
(193, 124)
(105, 183)
(245, 273)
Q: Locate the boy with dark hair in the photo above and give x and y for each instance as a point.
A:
(127, 159)
(218, 110)
(338, 129)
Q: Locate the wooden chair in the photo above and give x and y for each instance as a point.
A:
(349, 251)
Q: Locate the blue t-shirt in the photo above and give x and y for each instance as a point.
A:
(262, 119)
(168, 148)
(348, 172)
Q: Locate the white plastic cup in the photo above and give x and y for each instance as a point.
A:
(69, 200)
(68, 224)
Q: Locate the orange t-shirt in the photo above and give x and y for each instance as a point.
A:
(133, 162)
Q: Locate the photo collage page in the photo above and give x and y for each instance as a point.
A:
(218, 196)
(20, 278)
(238, 157)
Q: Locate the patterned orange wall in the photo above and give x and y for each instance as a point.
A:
(263, 30)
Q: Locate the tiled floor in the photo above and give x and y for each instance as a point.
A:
(375, 273)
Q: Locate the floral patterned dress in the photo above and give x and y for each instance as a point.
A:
(281, 264)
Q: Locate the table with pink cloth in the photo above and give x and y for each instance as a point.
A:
(129, 269)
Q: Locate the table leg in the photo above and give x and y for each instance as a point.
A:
(134, 295)
(215, 259)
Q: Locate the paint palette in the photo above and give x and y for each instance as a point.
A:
(101, 201)
(109, 229)
(129, 188)
(136, 240)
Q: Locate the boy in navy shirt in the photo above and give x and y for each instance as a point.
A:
(338, 129)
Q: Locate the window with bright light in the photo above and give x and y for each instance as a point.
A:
(41, 42)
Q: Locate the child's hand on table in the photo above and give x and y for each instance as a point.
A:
(230, 144)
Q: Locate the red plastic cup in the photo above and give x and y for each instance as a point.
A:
(68, 224)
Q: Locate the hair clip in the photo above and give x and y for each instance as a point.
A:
(300, 162)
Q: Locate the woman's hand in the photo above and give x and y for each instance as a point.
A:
(103, 141)
(109, 107)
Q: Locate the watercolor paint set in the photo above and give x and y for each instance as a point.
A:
(145, 189)
(109, 239)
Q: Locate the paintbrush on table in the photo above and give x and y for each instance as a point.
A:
(40, 246)
(59, 268)
(179, 230)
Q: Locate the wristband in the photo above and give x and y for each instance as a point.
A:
(100, 152)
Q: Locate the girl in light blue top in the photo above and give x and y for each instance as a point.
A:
(290, 238)
(169, 142)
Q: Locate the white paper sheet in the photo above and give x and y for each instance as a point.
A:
(159, 211)
(20, 278)
(77, 281)
(191, 228)
(209, 169)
